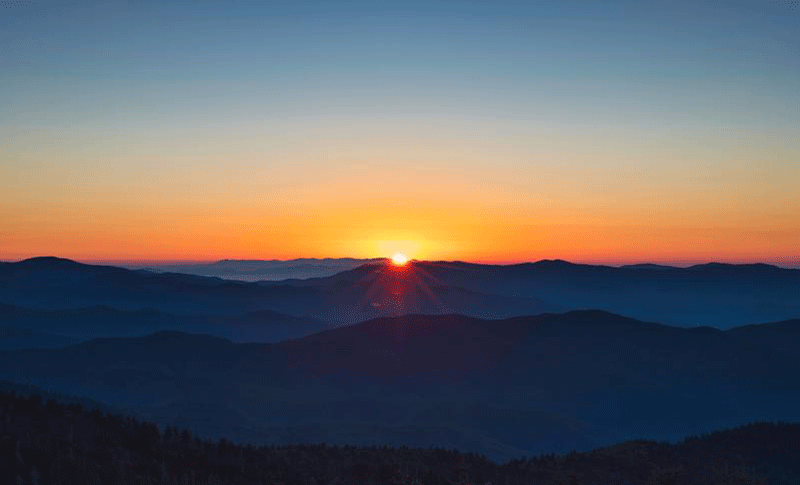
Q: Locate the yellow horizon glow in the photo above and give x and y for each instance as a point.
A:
(399, 259)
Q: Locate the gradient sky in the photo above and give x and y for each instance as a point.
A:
(620, 131)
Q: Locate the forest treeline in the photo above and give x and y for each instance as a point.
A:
(45, 442)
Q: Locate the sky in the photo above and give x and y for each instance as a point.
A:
(613, 132)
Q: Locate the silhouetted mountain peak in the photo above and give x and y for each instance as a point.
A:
(593, 320)
(553, 263)
(749, 267)
(648, 266)
(792, 325)
(50, 261)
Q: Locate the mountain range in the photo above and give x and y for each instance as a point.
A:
(53, 439)
(258, 270)
(718, 295)
(502, 360)
(56, 284)
(56, 328)
(504, 388)
(713, 294)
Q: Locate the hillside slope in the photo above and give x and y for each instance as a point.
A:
(501, 387)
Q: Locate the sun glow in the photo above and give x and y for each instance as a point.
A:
(399, 259)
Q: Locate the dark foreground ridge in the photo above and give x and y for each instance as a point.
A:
(502, 388)
(47, 442)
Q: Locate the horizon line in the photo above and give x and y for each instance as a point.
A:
(142, 263)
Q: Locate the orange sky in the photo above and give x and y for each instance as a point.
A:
(610, 203)
(381, 218)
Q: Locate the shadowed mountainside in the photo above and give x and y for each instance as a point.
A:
(501, 387)
(714, 294)
(56, 442)
(56, 328)
(718, 295)
(54, 284)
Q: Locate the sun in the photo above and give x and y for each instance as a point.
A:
(399, 259)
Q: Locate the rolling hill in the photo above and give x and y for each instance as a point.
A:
(714, 294)
(505, 388)
(46, 440)
(55, 328)
(59, 284)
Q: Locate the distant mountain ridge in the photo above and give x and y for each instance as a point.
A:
(262, 270)
(713, 294)
(55, 284)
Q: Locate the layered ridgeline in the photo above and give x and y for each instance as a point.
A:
(717, 295)
(26, 328)
(58, 284)
(504, 388)
(47, 442)
(263, 270)
(714, 294)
